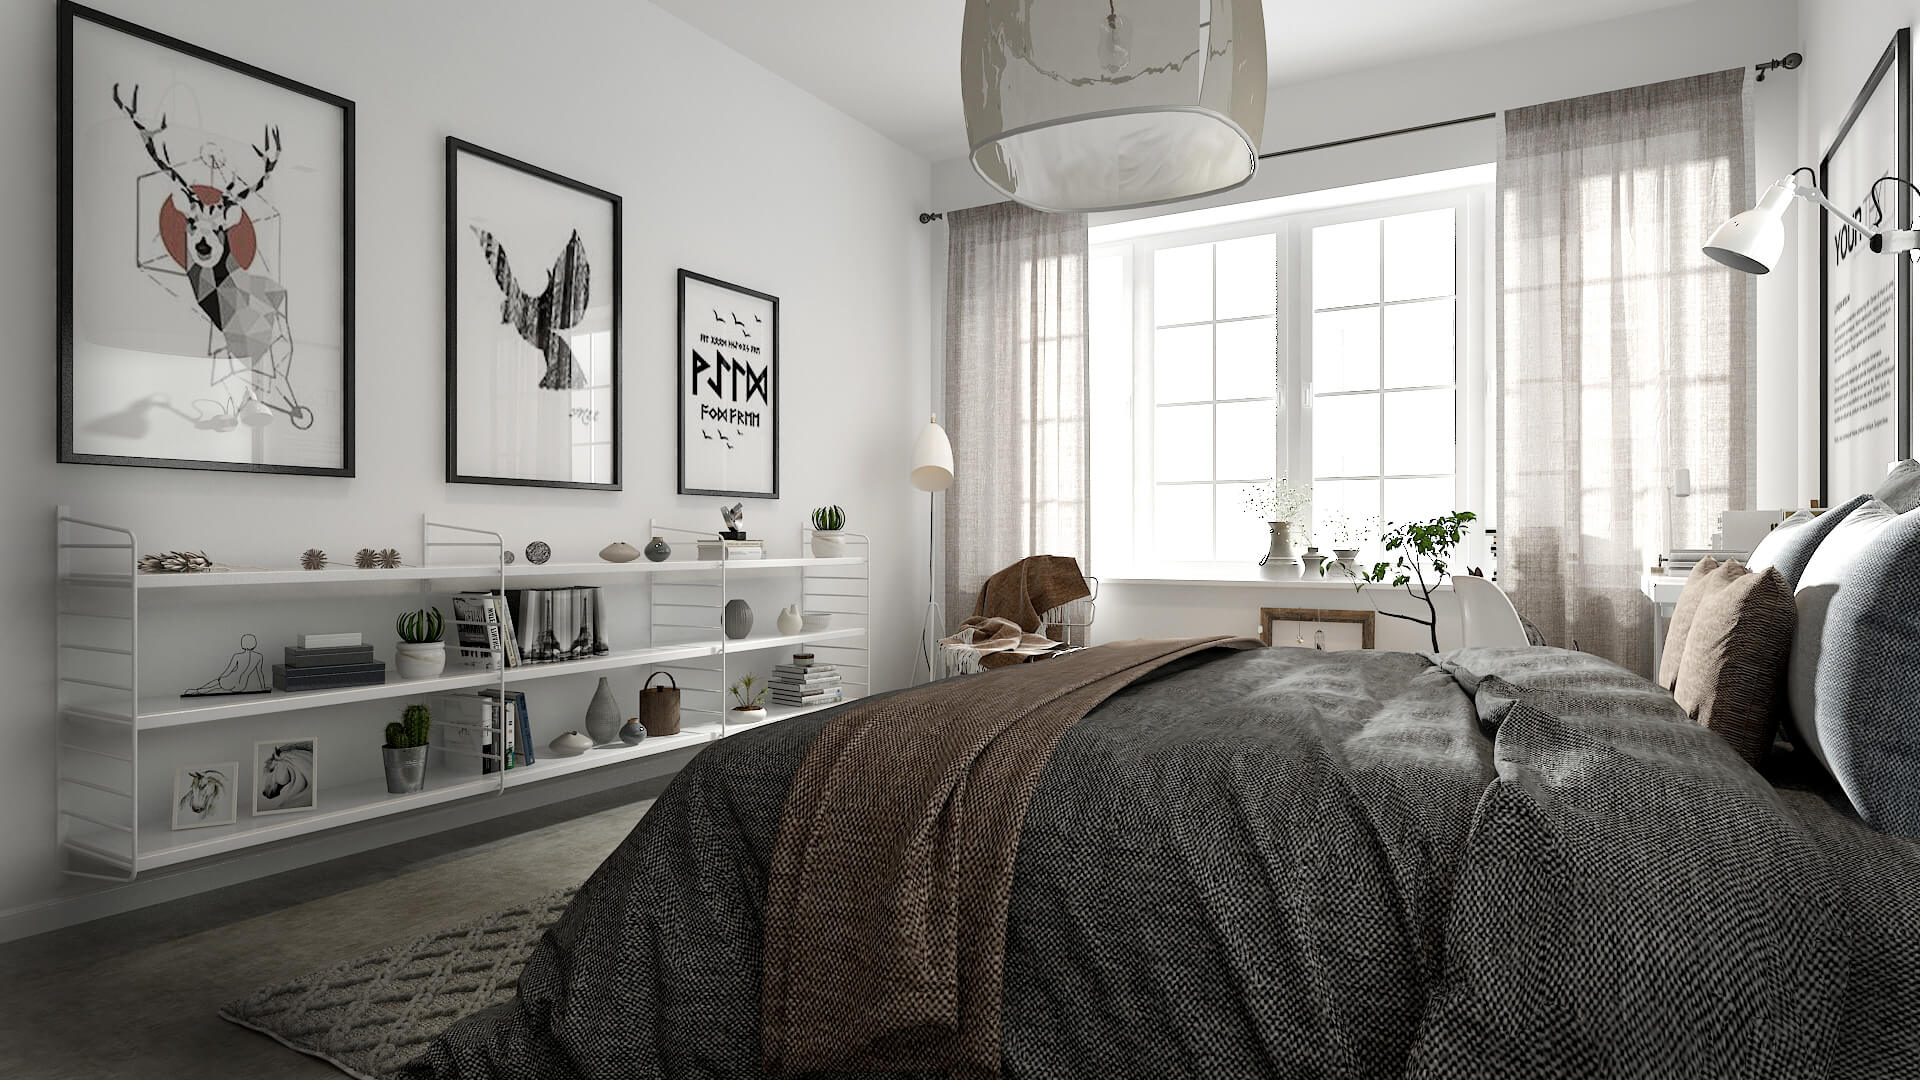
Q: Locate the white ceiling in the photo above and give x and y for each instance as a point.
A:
(894, 65)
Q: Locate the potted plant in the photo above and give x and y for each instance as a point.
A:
(405, 754)
(1417, 549)
(827, 541)
(421, 653)
(1345, 535)
(749, 697)
(1281, 505)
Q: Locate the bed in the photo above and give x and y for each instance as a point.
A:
(1285, 862)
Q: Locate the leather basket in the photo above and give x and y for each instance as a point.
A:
(660, 706)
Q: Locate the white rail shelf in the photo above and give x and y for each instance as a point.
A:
(639, 568)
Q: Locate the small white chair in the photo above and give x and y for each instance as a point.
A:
(1487, 617)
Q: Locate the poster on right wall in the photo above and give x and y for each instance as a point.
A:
(1865, 299)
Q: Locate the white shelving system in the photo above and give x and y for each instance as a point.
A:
(104, 716)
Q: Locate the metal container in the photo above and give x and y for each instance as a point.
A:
(406, 769)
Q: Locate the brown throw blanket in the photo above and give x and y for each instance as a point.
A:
(1030, 588)
(886, 909)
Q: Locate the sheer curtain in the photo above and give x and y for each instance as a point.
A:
(1624, 352)
(1016, 392)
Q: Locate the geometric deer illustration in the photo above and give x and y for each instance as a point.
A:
(208, 233)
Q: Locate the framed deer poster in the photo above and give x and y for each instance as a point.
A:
(729, 388)
(533, 325)
(206, 258)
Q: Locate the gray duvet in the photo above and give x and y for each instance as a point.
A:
(1281, 863)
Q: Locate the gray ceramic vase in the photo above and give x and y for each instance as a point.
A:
(603, 716)
(657, 550)
(632, 733)
(739, 619)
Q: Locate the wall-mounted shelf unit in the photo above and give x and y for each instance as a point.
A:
(105, 718)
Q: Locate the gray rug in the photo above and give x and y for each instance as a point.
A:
(372, 1014)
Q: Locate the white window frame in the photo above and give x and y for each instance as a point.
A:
(1472, 206)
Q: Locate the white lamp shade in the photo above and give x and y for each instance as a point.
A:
(1071, 108)
(1751, 241)
(932, 459)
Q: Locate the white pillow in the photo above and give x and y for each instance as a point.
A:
(1825, 575)
(1771, 545)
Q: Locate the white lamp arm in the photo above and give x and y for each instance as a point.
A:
(1813, 194)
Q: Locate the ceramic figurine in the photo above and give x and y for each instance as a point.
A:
(790, 619)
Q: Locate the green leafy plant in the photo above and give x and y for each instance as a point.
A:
(1418, 548)
(748, 693)
(420, 627)
(411, 729)
(829, 519)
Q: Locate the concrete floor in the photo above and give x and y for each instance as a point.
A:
(134, 996)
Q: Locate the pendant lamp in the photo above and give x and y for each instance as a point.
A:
(1085, 105)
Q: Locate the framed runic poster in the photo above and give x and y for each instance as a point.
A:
(729, 387)
(206, 258)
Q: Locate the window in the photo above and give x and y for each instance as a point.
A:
(1337, 347)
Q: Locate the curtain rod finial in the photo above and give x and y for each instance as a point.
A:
(928, 219)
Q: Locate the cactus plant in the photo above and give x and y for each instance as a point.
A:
(829, 519)
(410, 729)
(420, 627)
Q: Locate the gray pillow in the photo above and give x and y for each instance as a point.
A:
(1901, 489)
(1791, 553)
(1868, 685)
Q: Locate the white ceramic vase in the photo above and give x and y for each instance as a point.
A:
(420, 659)
(790, 621)
(828, 544)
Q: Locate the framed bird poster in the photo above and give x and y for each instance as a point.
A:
(533, 325)
(206, 258)
(729, 389)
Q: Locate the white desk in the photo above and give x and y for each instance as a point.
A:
(1664, 591)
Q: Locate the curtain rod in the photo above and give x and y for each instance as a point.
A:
(1790, 61)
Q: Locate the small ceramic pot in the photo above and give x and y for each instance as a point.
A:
(657, 550)
(790, 621)
(406, 768)
(739, 620)
(570, 744)
(632, 733)
(748, 716)
(813, 622)
(828, 544)
(1310, 564)
(421, 659)
(619, 552)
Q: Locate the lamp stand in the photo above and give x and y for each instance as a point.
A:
(933, 622)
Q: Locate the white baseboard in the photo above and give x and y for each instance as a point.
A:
(89, 902)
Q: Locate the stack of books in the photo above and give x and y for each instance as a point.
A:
(805, 681)
(518, 726)
(733, 549)
(329, 667)
(483, 637)
(527, 626)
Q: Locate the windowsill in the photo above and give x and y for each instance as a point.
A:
(1235, 576)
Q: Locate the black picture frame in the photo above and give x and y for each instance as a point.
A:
(691, 485)
(69, 14)
(1897, 60)
(457, 244)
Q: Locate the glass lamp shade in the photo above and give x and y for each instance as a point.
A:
(1082, 105)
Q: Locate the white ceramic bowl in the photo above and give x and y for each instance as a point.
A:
(815, 621)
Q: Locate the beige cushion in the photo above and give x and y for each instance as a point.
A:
(1736, 659)
(1683, 610)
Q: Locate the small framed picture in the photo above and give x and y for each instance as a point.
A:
(283, 777)
(729, 387)
(533, 325)
(205, 795)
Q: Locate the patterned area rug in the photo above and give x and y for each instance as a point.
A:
(370, 1015)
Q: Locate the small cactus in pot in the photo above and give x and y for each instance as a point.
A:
(421, 653)
(405, 752)
(827, 541)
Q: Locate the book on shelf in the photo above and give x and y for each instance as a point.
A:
(521, 745)
(811, 670)
(477, 638)
(792, 683)
(558, 624)
(328, 678)
(731, 549)
(297, 657)
(824, 698)
(328, 641)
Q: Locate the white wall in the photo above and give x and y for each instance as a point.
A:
(724, 167)
(1844, 39)
(1668, 43)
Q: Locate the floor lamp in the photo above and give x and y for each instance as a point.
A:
(932, 472)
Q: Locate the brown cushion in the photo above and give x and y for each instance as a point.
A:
(1677, 626)
(1736, 659)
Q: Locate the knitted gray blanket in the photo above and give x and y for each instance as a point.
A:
(1281, 862)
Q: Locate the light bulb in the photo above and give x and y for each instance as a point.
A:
(1116, 43)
